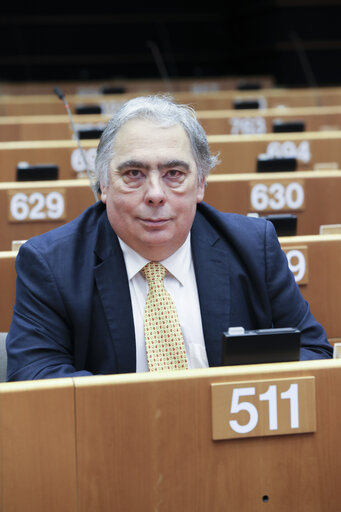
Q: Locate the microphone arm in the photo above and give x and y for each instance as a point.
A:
(61, 96)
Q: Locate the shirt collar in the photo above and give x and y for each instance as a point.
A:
(178, 264)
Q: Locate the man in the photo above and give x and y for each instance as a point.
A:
(82, 288)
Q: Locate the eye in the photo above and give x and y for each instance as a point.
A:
(132, 174)
(174, 174)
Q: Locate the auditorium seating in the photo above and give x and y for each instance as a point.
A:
(215, 122)
(238, 154)
(117, 86)
(28, 209)
(46, 127)
(107, 104)
(64, 153)
(288, 119)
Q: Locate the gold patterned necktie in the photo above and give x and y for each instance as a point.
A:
(164, 341)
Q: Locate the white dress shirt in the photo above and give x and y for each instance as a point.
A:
(181, 284)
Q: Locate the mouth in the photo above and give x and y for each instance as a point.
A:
(154, 222)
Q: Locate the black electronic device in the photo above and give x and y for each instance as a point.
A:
(249, 86)
(37, 172)
(246, 104)
(266, 163)
(88, 109)
(279, 126)
(259, 346)
(113, 89)
(90, 133)
(285, 224)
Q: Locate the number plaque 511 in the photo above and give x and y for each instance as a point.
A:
(263, 408)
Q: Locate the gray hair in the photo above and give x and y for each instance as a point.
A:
(165, 112)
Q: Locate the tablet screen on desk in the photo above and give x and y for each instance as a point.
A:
(260, 346)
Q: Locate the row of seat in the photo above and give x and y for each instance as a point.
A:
(30, 208)
(215, 122)
(134, 85)
(13, 105)
(238, 154)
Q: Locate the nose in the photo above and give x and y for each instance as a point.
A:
(155, 194)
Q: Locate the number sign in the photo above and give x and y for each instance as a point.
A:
(263, 408)
(297, 257)
(36, 205)
(280, 195)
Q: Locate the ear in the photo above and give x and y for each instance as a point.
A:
(104, 193)
(201, 190)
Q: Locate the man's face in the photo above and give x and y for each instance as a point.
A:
(153, 188)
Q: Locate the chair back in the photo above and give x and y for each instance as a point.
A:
(3, 356)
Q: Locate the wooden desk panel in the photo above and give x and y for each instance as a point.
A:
(37, 439)
(247, 122)
(238, 154)
(49, 104)
(209, 83)
(76, 195)
(322, 189)
(64, 445)
(323, 269)
(7, 297)
(64, 153)
(164, 423)
(40, 127)
(215, 122)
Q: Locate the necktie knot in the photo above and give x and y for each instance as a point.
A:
(154, 272)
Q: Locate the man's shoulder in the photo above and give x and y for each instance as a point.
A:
(231, 223)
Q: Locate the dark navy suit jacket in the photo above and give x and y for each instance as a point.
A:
(73, 314)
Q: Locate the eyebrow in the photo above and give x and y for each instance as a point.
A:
(142, 165)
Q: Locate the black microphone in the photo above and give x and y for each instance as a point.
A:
(61, 96)
(59, 93)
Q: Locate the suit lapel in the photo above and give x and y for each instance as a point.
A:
(113, 288)
(210, 257)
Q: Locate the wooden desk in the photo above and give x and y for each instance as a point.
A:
(64, 153)
(215, 122)
(49, 104)
(313, 196)
(64, 444)
(7, 295)
(238, 154)
(29, 209)
(45, 127)
(197, 84)
(248, 122)
(316, 264)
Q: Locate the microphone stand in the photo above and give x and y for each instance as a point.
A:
(61, 96)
